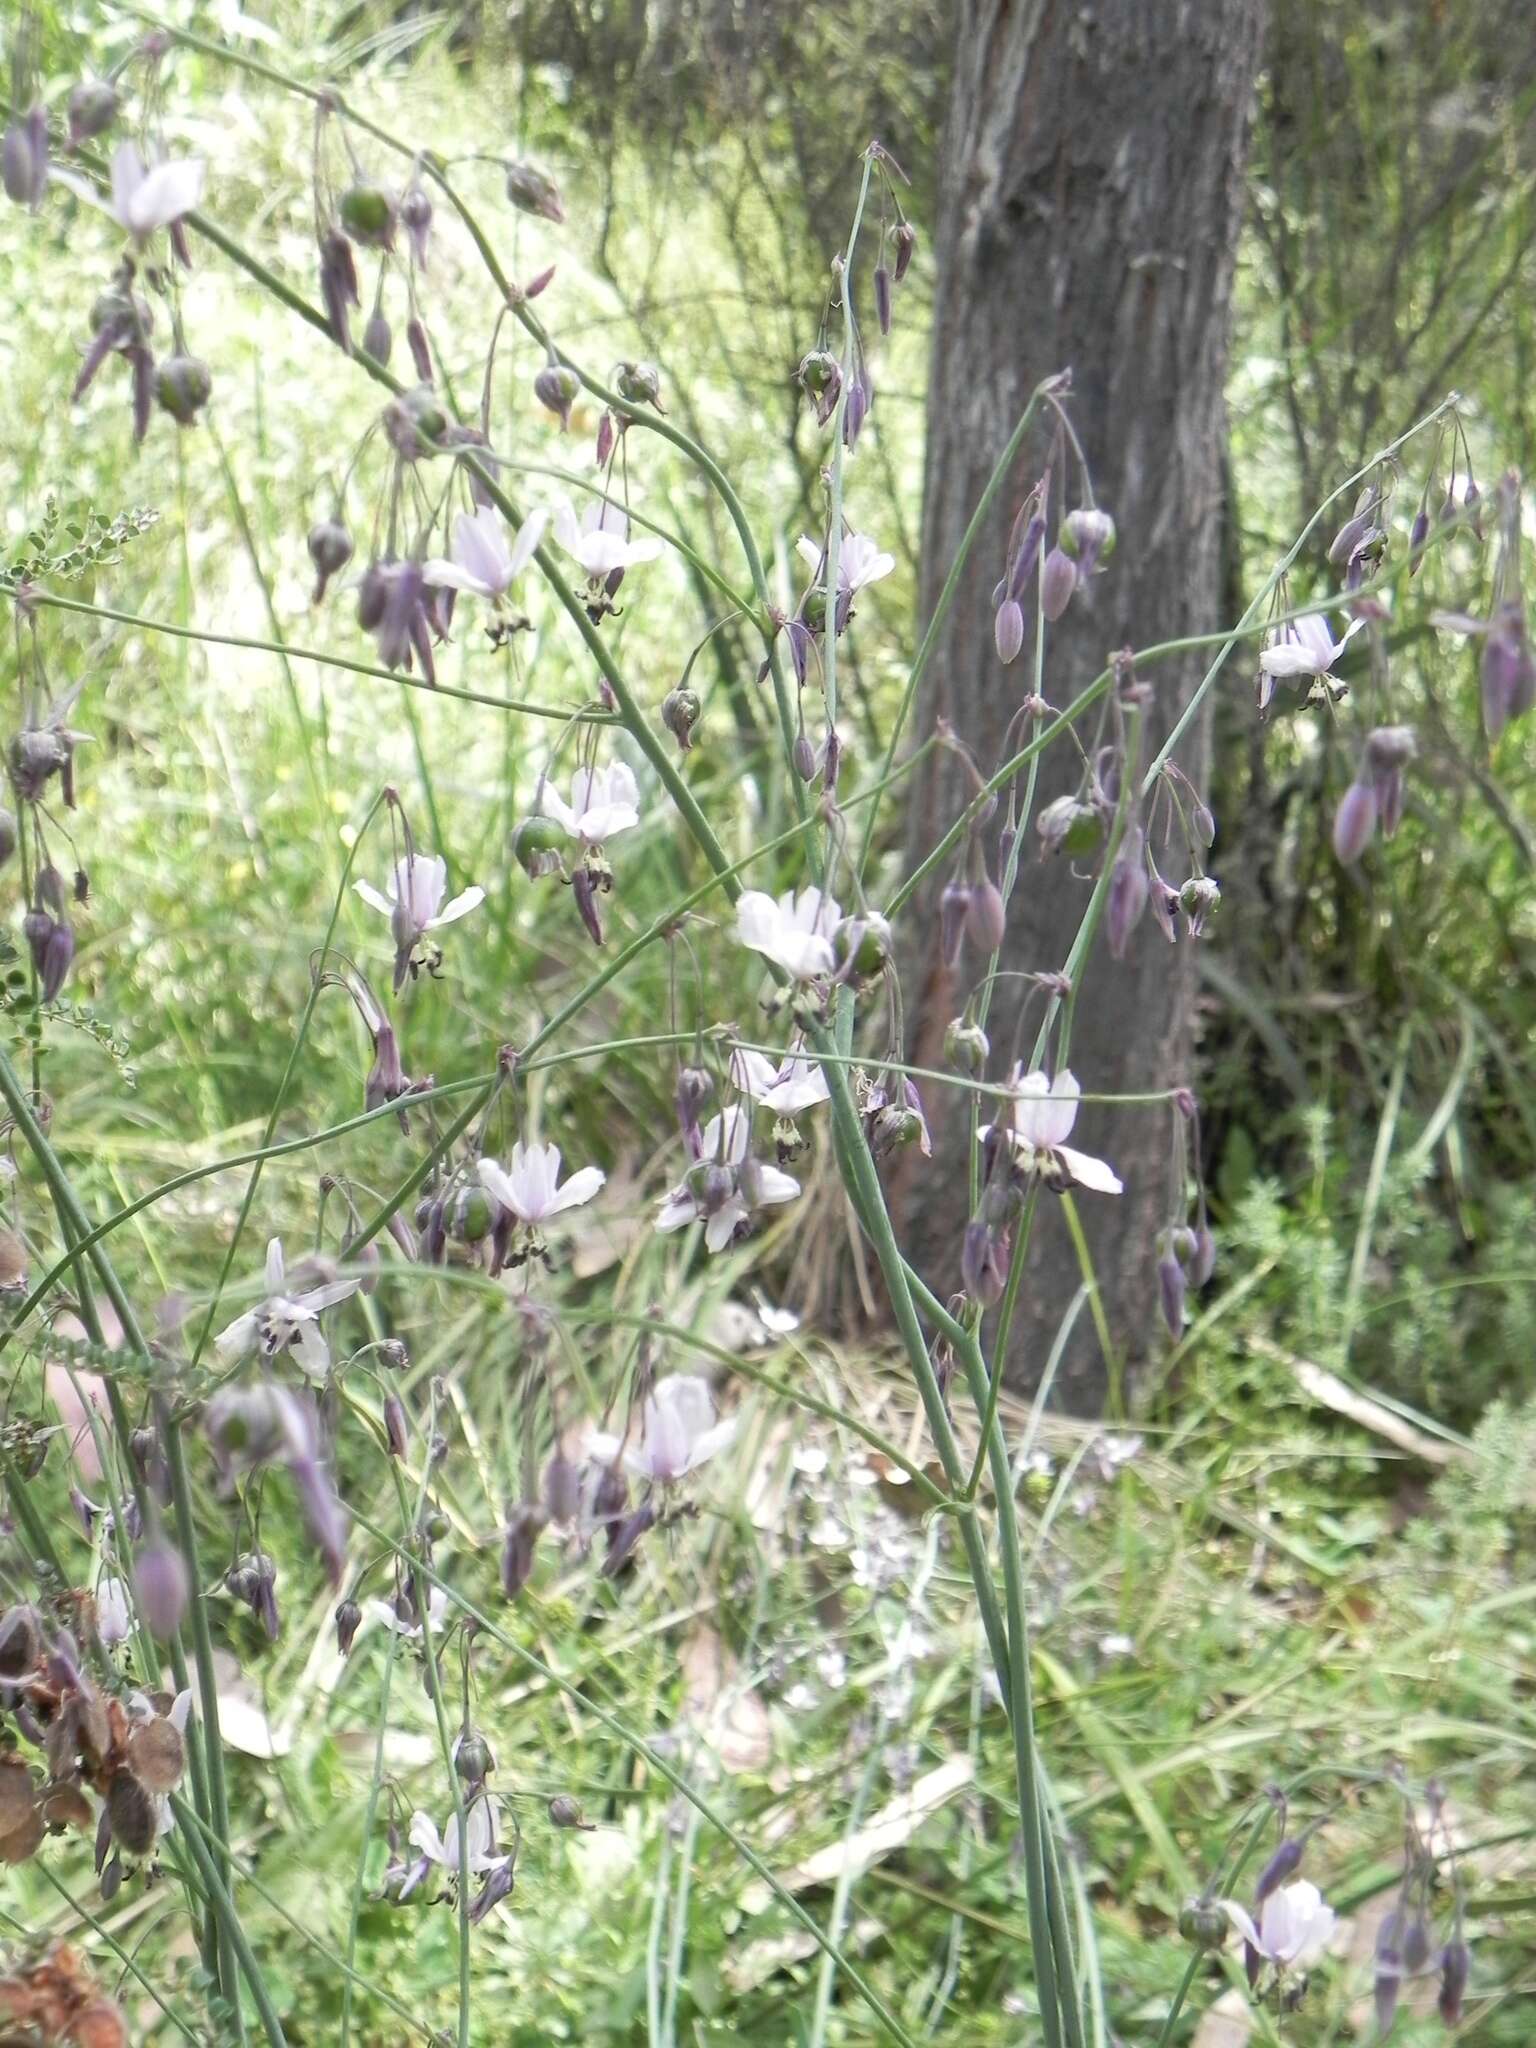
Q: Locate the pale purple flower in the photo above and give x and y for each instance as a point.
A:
(482, 1855)
(1040, 1117)
(484, 562)
(724, 1186)
(795, 932)
(603, 801)
(388, 1615)
(1301, 647)
(415, 906)
(795, 1084)
(1294, 1927)
(285, 1322)
(860, 561)
(146, 197)
(600, 541)
(679, 1429)
(532, 1191)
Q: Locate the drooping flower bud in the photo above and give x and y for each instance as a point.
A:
(984, 1262)
(565, 1812)
(24, 158)
(556, 387)
(367, 214)
(415, 423)
(1508, 670)
(856, 407)
(348, 1618)
(1354, 822)
(534, 191)
(93, 105)
(163, 1587)
(986, 915)
(1455, 1968)
(1284, 1864)
(52, 945)
(339, 287)
(1008, 630)
(1058, 580)
(473, 1759)
(820, 377)
(378, 338)
(680, 714)
(1129, 888)
(183, 384)
(883, 297)
(954, 911)
(330, 549)
(1170, 1289)
(1388, 750)
(397, 1429)
(1202, 1264)
(416, 219)
(905, 240)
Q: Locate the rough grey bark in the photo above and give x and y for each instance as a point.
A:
(1090, 203)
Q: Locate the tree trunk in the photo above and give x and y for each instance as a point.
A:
(1090, 202)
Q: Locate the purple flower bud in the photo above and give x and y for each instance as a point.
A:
(1170, 1288)
(1022, 569)
(1508, 670)
(421, 361)
(986, 915)
(984, 1261)
(93, 105)
(141, 364)
(906, 243)
(339, 287)
(1418, 535)
(1285, 1862)
(584, 887)
(348, 1619)
(1008, 630)
(954, 913)
(525, 1524)
(856, 408)
(1203, 1264)
(1354, 823)
(163, 1587)
(562, 1489)
(397, 1430)
(330, 549)
(377, 337)
(1455, 1968)
(1129, 888)
(556, 388)
(24, 158)
(416, 219)
(534, 191)
(624, 1537)
(883, 297)
(607, 433)
(1058, 580)
(1345, 544)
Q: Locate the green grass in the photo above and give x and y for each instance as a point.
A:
(1258, 1590)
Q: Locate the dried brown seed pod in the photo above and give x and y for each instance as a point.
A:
(157, 1754)
(132, 1812)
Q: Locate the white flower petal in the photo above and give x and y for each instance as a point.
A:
(1094, 1174)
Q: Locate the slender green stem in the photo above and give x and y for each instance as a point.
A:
(215, 1889)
